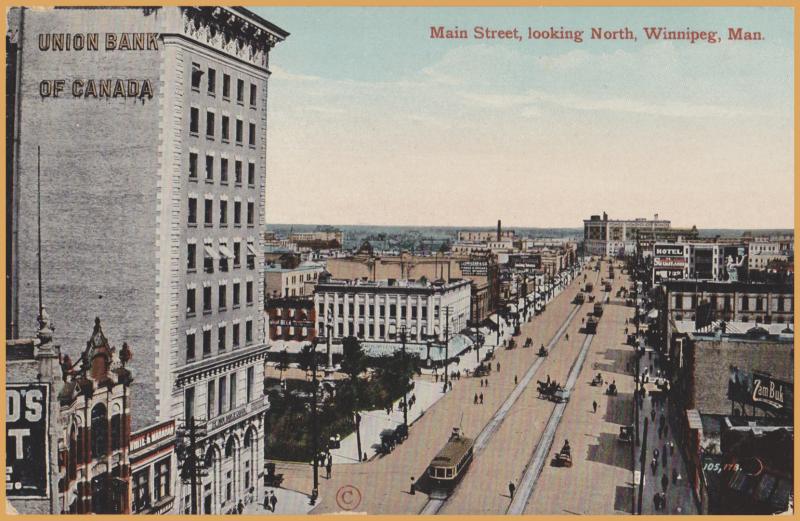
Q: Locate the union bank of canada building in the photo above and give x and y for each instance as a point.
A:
(148, 130)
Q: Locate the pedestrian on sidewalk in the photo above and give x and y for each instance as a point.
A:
(671, 448)
(656, 499)
(498, 367)
(328, 468)
(511, 489)
(594, 406)
(450, 384)
(654, 465)
(655, 453)
(652, 415)
(413, 489)
(364, 458)
(515, 379)
(266, 501)
(481, 397)
(664, 481)
(674, 475)
(273, 501)
(475, 401)
(436, 376)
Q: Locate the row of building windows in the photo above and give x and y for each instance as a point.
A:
(225, 127)
(381, 310)
(142, 498)
(360, 331)
(221, 395)
(209, 171)
(208, 212)
(211, 85)
(222, 298)
(223, 255)
(222, 339)
(779, 304)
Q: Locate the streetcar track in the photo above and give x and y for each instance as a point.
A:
(434, 504)
(540, 454)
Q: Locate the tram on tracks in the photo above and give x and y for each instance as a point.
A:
(451, 463)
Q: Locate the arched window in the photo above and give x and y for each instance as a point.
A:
(99, 431)
(72, 460)
(229, 447)
(248, 439)
(209, 459)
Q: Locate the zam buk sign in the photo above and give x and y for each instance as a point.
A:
(760, 390)
(27, 454)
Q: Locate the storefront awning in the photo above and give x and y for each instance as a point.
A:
(225, 252)
(211, 252)
(251, 249)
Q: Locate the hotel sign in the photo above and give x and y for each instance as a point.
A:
(668, 262)
(27, 443)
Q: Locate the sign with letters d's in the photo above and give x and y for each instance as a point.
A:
(27, 451)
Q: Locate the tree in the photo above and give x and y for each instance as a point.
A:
(305, 359)
(354, 362)
(283, 362)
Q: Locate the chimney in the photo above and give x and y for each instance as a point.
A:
(498, 229)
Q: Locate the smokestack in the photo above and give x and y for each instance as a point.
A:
(498, 229)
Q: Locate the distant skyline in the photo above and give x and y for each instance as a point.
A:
(372, 122)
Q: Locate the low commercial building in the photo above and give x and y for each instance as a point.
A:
(723, 385)
(291, 320)
(678, 300)
(481, 269)
(153, 469)
(296, 281)
(371, 310)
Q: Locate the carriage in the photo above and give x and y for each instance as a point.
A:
(542, 351)
(597, 380)
(625, 434)
(598, 309)
(528, 342)
(591, 325)
(580, 298)
(552, 391)
(612, 389)
(563, 458)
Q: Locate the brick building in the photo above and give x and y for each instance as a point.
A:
(170, 167)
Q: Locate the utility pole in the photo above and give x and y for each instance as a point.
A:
(643, 458)
(314, 423)
(191, 469)
(405, 391)
(446, 344)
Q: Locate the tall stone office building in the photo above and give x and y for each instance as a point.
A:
(152, 130)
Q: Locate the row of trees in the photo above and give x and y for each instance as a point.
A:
(370, 383)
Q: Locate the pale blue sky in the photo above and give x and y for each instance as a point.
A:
(371, 121)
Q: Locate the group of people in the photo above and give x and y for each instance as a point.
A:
(478, 399)
(270, 502)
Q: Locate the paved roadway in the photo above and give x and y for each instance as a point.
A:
(384, 482)
(600, 479)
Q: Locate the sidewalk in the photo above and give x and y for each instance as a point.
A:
(679, 496)
(289, 502)
(377, 421)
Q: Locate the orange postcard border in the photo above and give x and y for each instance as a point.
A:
(415, 3)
